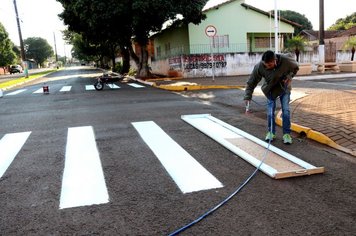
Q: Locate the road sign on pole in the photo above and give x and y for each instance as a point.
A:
(210, 31)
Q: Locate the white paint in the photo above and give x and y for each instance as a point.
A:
(1, 93)
(136, 85)
(16, 92)
(39, 90)
(83, 180)
(10, 145)
(113, 86)
(65, 89)
(89, 87)
(186, 172)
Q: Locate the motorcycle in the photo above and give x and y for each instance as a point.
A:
(107, 79)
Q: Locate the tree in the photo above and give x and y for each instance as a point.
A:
(351, 44)
(37, 49)
(295, 44)
(7, 55)
(113, 23)
(102, 25)
(297, 18)
(344, 23)
(149, 16)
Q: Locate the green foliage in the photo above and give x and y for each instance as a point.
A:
(7, 55)
(118, 67)
(344, 23)
(38, 49)
(350, 44)
(297, 18)
(110, 25)
(297, 42)
(132, 72)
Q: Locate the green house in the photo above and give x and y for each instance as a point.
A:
(230, 27)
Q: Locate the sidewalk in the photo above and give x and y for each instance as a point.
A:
(326, 116)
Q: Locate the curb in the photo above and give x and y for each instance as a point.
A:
(314, 135)
(187, 87)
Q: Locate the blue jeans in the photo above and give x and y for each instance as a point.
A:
(271, 107)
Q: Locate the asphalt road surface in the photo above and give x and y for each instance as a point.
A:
(43, 189)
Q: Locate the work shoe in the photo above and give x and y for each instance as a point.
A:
(287, 139)
(270, 136)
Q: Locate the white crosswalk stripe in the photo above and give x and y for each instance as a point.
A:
(83, 178)
(136, 85)
(114, 86)
(10, 145)
(16, 92)
(65, 89)
(89, 87)
(188, 174)
(39, 90)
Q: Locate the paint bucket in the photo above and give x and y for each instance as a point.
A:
(45, 89)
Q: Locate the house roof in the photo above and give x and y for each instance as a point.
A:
(314, 35)
(211, 4)
(215, 3)
(270, 15)
(348, 32)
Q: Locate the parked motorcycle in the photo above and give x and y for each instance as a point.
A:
(107, 79)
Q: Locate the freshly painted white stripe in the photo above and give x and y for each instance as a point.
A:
(186, 172)
(89, 87)
(39, 90)
(83, 180)
(10, 145)
(136, 85)
(113, 86)
(15, 92)
(65, 89)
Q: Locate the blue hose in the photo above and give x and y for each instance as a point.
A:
(178, 231)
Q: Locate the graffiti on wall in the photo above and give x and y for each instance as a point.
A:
(200, 62)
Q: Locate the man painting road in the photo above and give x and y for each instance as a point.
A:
(277, 71)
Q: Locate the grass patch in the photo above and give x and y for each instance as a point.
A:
(21, 80)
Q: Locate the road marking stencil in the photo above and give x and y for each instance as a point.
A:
(10, 145)
(83, 180)
(186, 172)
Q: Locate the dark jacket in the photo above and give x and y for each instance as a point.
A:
(273, 84)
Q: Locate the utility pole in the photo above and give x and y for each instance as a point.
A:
(22, 49)
(321, 48)
(55, 46)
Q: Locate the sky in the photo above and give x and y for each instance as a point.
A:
(39, 18)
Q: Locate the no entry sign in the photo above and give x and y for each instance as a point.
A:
(210, 31)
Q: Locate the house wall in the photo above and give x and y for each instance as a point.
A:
(225, 64)
(236, 21)
(176, 39)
